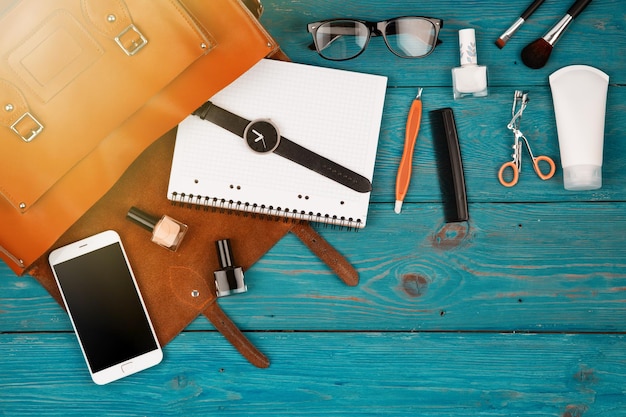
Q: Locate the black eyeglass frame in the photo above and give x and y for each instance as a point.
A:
(374, 29)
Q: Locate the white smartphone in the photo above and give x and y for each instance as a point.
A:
(105, 307)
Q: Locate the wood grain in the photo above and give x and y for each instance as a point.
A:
(363, 374)
(520, 311)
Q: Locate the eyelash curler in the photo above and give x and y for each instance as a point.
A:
(520, 101)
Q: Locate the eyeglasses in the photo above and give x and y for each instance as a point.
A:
(406, 37)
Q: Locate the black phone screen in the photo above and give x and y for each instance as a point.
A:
(105, 307)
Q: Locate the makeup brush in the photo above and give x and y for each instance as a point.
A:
(536, 54)
(504, 38)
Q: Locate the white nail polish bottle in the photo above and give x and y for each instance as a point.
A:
(470, 79)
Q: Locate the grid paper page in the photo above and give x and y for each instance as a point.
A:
(334, 113)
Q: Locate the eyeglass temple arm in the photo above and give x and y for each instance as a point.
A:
(313, 48)
(335, 35)
(312, 45)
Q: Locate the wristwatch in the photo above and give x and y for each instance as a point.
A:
(263, 136)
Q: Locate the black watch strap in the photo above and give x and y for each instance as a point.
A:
(262, 136)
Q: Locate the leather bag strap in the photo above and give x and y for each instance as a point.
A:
(230, 331)
(327, 253)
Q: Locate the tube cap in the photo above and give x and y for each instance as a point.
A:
(582, 177)
(142, 218)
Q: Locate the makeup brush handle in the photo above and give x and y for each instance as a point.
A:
(557, 30)
(531, 9)
(578, 7)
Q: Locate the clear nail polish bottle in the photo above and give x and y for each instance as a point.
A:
(166, 232)
(470, 79)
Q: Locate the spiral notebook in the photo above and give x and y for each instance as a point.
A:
(335, 113)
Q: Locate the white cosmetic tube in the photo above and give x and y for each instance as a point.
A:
(579, 96)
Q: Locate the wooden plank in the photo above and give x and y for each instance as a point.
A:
(360, 374)
(434, 327)
(510, 268)
(592, 40)
(486, 144)
(536, 267)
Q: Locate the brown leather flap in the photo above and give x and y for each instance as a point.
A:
(177, 286)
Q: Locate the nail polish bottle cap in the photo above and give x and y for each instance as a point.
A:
(224, 253)
(142, 218)
(467, 47)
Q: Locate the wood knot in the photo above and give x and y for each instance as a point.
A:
(575, 410)
(585, 375)
(450, 236)
(414, 285)
(179, 382)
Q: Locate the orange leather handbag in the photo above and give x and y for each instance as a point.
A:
(86, 86)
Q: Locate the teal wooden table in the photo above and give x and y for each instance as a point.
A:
(520, 311)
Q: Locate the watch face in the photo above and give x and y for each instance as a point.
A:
(262, 136)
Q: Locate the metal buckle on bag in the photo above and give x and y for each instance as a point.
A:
(13, 258)
(28, 123)
(131, 45)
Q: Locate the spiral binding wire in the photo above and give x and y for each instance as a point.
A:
(221, 205)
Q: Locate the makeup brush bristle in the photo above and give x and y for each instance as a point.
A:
(500, 43)
(536, 54)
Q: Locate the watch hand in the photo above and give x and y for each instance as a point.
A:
(259, 137)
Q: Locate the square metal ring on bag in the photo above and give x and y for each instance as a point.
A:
(135, 44)
(35, 127)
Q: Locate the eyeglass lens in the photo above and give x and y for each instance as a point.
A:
(408, 37)
(341, 39)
